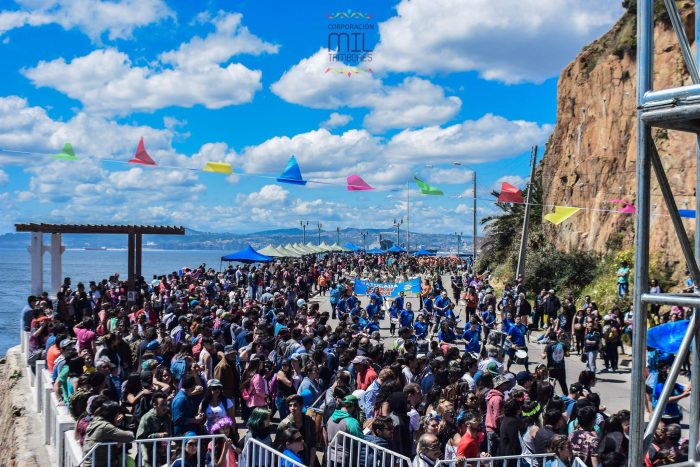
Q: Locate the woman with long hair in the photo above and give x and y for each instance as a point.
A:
(215, 406)
(285, 388)
(258, 429)
(254, 386)
(291, 444)
(560, 446)
(529, 426)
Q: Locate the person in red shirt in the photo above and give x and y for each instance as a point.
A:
(468, 446)
(364, 373)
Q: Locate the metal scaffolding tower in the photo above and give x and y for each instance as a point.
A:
(673, 109)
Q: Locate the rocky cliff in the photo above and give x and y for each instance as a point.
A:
(590, 157)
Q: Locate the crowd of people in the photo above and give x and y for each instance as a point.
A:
(246, 353)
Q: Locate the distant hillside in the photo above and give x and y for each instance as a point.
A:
(197, 240)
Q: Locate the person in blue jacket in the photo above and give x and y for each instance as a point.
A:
(472, 336)
(516, 336)
(441, 305)
(352, 303)
(400, 300)
(373, 308)
(342, 308)
(394, 316)
(372, 325)
(446, 335)
(336, 293)
(421, 328)
(488, 318)
(406, 316)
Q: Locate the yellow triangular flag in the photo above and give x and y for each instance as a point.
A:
(560, 214)
(218, 167)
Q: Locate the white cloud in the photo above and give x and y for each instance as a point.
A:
(336, 120)
(117, 18)
(463, 209)
(24, 196)
(412, 103)
(508, 40)
(515, 180)
(269, 196)
(487, 139)
(450, 176)
(105, 81)
(4, 178)
(229, 38)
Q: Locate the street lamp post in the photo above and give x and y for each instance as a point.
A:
(364, 239)
(303, 226)
(398, 224)
(459, 241)
(337, 235)
(319, 232)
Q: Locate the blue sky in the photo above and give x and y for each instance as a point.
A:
(248, 83)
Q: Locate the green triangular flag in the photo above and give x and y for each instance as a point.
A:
(427, 189)
(66, 153)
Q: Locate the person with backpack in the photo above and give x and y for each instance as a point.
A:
(611, 336)
(554, 352)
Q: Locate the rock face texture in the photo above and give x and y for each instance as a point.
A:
(591, 154)
(20, 429)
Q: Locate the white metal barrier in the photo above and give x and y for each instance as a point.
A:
(346, 450)
(149, 452)
(257, 454)
(497, 461)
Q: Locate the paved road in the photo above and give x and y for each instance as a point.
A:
(614, 388)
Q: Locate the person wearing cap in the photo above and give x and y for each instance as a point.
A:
(494, 412)
(345, 420)
(227, 373)
(215, 405)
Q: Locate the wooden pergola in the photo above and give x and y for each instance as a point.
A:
(37, 248)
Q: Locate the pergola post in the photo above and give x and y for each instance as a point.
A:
(36, 249)
(137, 257)
(131, 253)
(56, 250)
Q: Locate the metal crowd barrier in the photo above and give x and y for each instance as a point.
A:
(146, 452)
(498, 461)
(257, 454)
(346, 450)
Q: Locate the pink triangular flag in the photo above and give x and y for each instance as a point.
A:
(142, 156)
(355, 183)
(628, 209)
(510, 194)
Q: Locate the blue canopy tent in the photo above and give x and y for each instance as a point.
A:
(247, 255)
(352, 247)
(396, 249)
(667, 337)
(375, 251)
(423, 252)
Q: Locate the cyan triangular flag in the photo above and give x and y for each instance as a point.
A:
(292, 173)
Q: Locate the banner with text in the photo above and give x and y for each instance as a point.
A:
(388, 289)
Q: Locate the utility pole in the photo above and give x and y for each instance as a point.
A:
(398, 224)
(523, 239)
(474, 222)
(364, 239)
(337, 235)
(319, 232)
(303, 226)
(459, 241)
(408, 216)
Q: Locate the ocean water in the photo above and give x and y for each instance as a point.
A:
(80, 266)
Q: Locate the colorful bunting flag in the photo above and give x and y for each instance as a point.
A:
(560, 214)
(66, 153)
(292, 173)
(356, 183)
(218, 167)
(627, 209)
(141, 156)
(509, 194)
(689, 213)
(427, 189)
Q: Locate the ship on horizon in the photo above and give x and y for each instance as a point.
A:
(95, 248)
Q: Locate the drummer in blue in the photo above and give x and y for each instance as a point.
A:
(516, 338)
(421, 328)
(472, 335)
